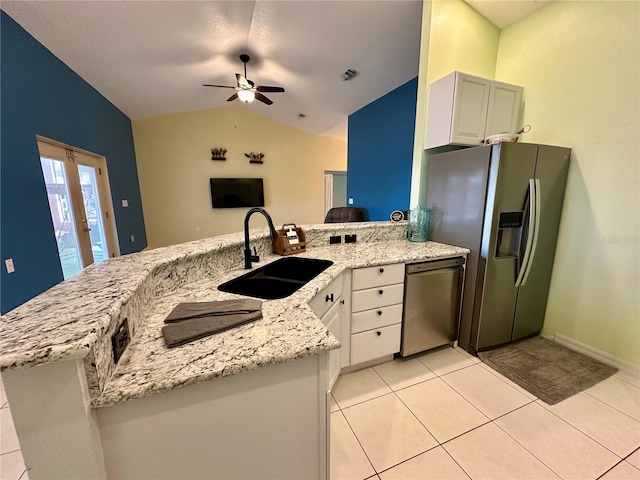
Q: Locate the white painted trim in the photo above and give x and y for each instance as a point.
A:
(603, 357)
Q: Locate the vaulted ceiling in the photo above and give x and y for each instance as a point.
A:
(151, 57)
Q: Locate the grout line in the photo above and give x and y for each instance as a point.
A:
(410, 458)
(11, 451)
(527, 450)
(623, 380)
(542, 404)
(455, 461)
(614, 466)
(359, 443)
(364, 401)
(23, 474)
(612, 406)
(5, 405)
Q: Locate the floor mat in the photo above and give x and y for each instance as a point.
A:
(547, 369)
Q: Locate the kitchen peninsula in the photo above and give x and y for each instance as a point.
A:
(248, 402)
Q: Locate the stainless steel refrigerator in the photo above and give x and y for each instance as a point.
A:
(503, 202)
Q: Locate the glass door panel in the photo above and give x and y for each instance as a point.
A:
(62, 215)
(91, 199)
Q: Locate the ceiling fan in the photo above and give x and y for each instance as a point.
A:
(246, 90)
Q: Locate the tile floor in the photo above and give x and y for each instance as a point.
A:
(446, 415)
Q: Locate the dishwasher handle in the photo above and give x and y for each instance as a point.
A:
(413, 268)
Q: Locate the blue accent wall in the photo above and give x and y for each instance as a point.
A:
(380, 152)
(41, 95)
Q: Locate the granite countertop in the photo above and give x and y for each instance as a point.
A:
(75, 319)
(288, 329)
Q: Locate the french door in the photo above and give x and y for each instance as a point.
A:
(80, 204)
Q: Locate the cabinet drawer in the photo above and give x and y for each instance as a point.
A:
(376, 318)
(378, 276)
(376, 297)
(327, 297)
(375, 343)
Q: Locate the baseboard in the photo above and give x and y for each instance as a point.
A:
(599, 355)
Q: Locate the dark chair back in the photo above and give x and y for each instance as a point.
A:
(344, 214)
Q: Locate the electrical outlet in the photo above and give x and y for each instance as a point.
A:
(197, 229)
(132, 239)
(351, 201)
(125, 203)
(120, 340)
(335, 239)
(9, 264)
(350, 238)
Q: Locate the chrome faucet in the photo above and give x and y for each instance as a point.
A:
(248, 258)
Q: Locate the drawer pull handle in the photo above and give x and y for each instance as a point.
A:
(380, 292)
(379, 312)
(382, 270)
(379, 333)
(329, 298)
(342, 302)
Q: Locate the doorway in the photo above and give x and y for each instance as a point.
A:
(335, 189)
(80, 204)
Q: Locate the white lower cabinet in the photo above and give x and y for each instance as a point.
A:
(333, 321)
(329, 306)
(376, 312)
(375, 343)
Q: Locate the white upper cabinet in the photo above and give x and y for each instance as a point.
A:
(465, 109)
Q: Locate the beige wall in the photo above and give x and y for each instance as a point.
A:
(173, 154)
(579, 63)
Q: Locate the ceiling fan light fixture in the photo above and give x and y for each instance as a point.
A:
(246, 95)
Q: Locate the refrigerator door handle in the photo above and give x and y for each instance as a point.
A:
(532, 216)
(536, 229)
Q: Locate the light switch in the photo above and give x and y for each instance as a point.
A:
(9, 264)
(132, 238)
(125, 203)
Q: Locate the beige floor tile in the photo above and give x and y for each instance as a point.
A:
(529, 395)
(565, 450)
(485, 391)
(606, 425)
(445, 360)
(629, 376)
(8, 438)
(634, 459)
(489, 453)
(334, 405)
(473, 358)
(441, 409)
(622, 471)
(11, 465)
(401, 373)
(436, 464)
(619, 394)
(348, 460)
(387, 431)
(358, 387)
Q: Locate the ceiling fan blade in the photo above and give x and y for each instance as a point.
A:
(242, 81)
(262, 98)
(261, 88)
(232, 97)
(220, 86)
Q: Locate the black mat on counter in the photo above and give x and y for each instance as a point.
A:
(548, 370)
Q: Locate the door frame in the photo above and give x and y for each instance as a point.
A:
(52, 148)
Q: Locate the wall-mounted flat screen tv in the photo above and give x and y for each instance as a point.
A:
(236, 192)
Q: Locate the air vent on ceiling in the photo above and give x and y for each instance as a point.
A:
(350, 74)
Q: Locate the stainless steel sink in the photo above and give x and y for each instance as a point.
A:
(278, 279)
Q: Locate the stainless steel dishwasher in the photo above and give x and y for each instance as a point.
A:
(431, 304)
